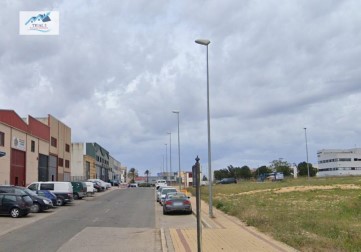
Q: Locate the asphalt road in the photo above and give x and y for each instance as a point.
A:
(120, 220)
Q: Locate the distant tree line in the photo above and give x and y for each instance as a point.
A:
(279, 165)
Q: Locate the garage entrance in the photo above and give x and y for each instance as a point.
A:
(17, 170)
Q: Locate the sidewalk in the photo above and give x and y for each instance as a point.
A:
(223, 233)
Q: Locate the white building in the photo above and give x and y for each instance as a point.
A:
(334, 162)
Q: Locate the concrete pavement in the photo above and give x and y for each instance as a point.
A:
(222, 233)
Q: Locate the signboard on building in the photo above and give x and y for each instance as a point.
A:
(18, 143)
(2, 153)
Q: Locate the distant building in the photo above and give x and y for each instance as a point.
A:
(337, 162)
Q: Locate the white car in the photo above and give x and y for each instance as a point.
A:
(102, 183)
(159, 189)
(160, 182)
(163, 193)
(90, 190)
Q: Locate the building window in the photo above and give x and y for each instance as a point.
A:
(54, 142)
(61, 162)
(67, 163)
(2, 139)
(32, 146)
(67, 147)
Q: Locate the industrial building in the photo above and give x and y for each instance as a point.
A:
(339, 162)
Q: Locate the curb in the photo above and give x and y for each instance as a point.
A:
(163, 240)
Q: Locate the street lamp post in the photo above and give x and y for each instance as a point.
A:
(308, 168)
(179, 162)
(166, 160)
(170, 155)
(206, 42)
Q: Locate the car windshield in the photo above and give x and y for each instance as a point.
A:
(20, 191)
(176, 196)
(30, 192)
(165, 191)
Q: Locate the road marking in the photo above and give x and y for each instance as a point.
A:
(107, 210)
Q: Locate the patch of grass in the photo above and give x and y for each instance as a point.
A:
(309, 220)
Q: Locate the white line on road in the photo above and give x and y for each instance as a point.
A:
(107, 210)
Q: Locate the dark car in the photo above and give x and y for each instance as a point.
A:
(47, 194)
(228, 181)
(177, 202)
(40, 203)
(14, 204)
(114, 182)
(79, 190)
(97, 186)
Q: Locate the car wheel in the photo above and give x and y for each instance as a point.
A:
(59, 201)
(164, 212)
(76, 196)
(15, 212)
(35, 208)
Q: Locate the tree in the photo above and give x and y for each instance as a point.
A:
(147, 174)
(262, 170)
(303, 171)
(281, 166)
(245, 172)
(220, 174)
(231, 171)
(133, 173)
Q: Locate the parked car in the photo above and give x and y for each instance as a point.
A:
(47, 194)
(108, 185)
(62, 190)
(177, 202)
(164, 192)
(227, 181)
(40, 203)
(133, 185)
(90, 190)
(14, 204)
(159, 189)
(160, 182)
(114, 182)
(79, 189)
(97, 186)
(101, 182)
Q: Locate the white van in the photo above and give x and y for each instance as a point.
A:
(160, 182)
(62, 190)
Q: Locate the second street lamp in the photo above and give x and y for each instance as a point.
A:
(166, 161)
(206, 42)
(170, 155)
(308, 168)
(179, 162)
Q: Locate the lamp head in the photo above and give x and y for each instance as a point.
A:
(205, 42)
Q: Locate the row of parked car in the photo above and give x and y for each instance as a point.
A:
(172, 200)
(18, 201)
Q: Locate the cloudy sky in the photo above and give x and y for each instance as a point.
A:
(119, 68)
